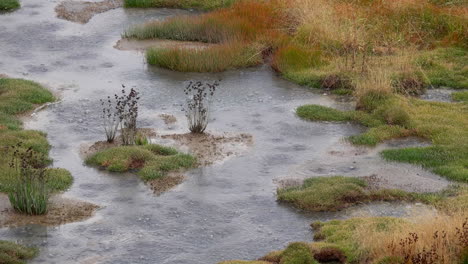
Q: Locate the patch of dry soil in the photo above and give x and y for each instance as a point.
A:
(82, 11)
(210, 148)
(166, 183)
(61, 211)
(141, 45)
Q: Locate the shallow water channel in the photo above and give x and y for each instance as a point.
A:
(224, 211)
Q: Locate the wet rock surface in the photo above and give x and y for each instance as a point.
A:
(221, 211)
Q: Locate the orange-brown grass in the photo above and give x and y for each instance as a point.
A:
(441, 239)
(244, 21)
(382, 22)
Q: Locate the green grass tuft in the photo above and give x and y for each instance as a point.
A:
(337, 192)
(296, 253)
(7, 5)
(16, 97)
(185, 4)
(12, 253)
(460, 96)
(321, 113)
(211, 59)
(445, 67)
(449, 161)
(340, 233)
(150, 161)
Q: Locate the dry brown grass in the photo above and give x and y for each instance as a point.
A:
(438, 239)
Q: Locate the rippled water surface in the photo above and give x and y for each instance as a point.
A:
(225, 211)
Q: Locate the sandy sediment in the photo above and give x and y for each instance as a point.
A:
(61, 211)
(210, 148)
(82, 11)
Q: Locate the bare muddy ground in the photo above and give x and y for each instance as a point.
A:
(82, 12)
(209, 148)
(61, 211)
(222, 211)
(166, 183)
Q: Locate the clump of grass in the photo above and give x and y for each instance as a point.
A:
(252, 28)
(185, 4)
(297, 253)
(321, 113)
(214, 59)
(449, 161)
(460, 96)
(390, 116)
(295, 58)
(445, 67)
(7, 5)
(16, 97)
(342, 234)
(248, 20)
(244, 262)
(337, 192)
(56, 179)
(385, 240)
(149, 161)
(433, 239)
(12, 253)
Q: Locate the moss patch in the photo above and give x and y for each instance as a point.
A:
(321, 113)
(12, 253)
(337, 192)
(7, 5)
(149, 161)
(460, 96)
(18, 96)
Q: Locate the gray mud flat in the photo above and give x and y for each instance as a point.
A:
(222, 211)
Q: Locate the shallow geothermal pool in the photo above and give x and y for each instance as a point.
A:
(224, 211)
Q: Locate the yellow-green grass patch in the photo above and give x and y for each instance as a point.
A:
(18, 96)
(210, 59)
(148, 161)
(12, 253)
(7, 5)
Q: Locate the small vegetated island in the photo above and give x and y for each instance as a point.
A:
(129, 148)
(383, 54)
